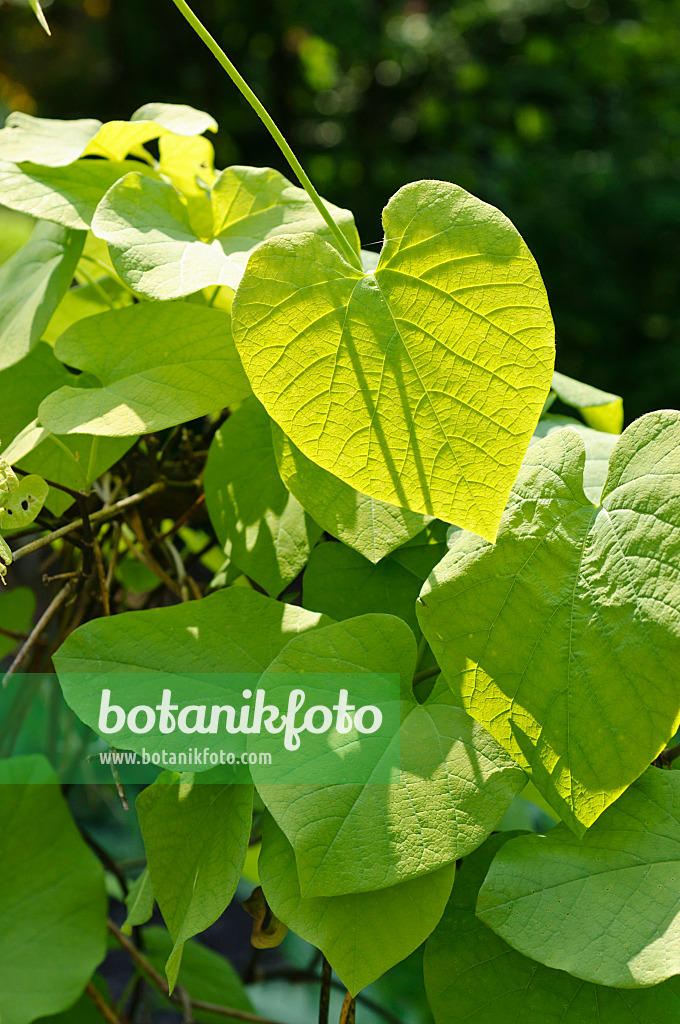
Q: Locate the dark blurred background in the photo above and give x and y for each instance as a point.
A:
(564, 113)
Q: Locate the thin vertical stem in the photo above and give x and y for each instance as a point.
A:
(202, 32)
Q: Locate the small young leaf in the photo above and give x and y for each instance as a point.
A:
(157, 365)
(364, 934)
(32, 284)
(260, 524)
(564, 638)
(155, 247)
(604, 907)
(371, 527)
(49, 947)
(452, 785)
(139, 902)
(471, 974)
(195, 836)
(420, 384)
(20, 506)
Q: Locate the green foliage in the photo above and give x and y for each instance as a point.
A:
(224, 400)
(41, 853)
(453, 785)
(32, 284)
(473, 974)
(583, 692)
(159, 252)
(419, 394)
(195, 838)
(263, 529)
(147, 377)
(361, 934)
(604, 906)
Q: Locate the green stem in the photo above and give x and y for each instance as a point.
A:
(201, 31)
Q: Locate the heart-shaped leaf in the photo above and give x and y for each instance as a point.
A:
(419, 384)
(472, 975)
(362, 934)
(564, 639)
(452, 781)
(157, 366)
(49, 944)
(604, 907)
(20, 505)
(158, 251)
(195, 836)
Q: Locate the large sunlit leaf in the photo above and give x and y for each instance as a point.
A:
(371, 527)
(32, 284)
(564, 639)
(195, 837)
(419, 384)
(23, 387)
(363, 934)
(263, 530)
(66, 195)
(472, 975)
(604, 907)
(452, 782)
(157, 366)
(158, 251)
(52, 897)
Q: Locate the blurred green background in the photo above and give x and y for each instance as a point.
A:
(564, 113)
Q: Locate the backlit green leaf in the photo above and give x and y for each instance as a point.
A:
(263, 529)
(604, 907)
(20, 505)
(600, 410)
(38, 11)
(453, 786)
(52, 897)
(195, 836)
(23, 387)
(364, 934)
(158, 251)
(54, 143)
(564, 639)
(471, 974)
(32, 284)
(371, 527)
(158, 366)
(420, 384)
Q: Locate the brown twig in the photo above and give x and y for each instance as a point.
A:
(161, 985)
(348, 1012)
(101, 576)
(325, 994)
(96, 517)
(152, 565)
(32, 638)
(667, 756)
(103, 1007)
